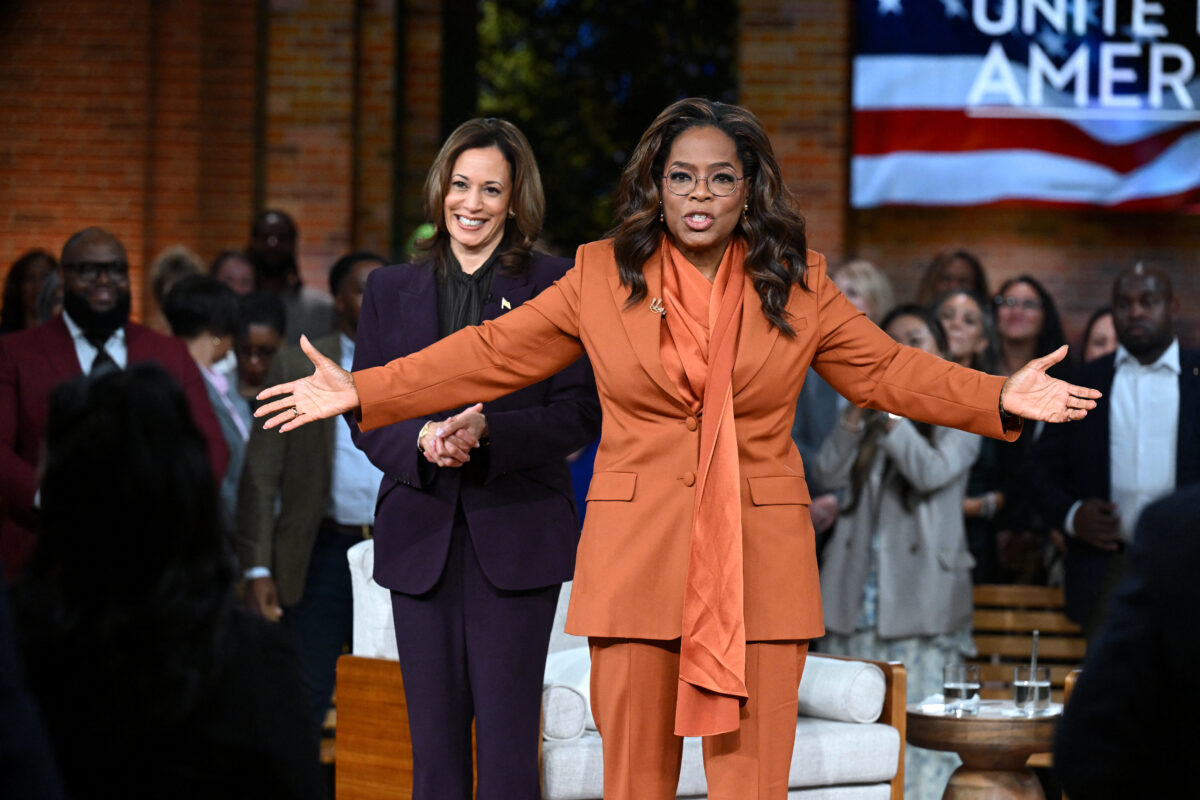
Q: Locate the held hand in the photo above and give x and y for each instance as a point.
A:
(1098, 523)
(1032, 394)
(450, 442)
(262, 598)
(329, 391)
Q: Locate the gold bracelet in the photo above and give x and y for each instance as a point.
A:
(421, 435)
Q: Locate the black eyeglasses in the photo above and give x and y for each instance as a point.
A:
(1029, 303)
(721, 183)
(88, 271)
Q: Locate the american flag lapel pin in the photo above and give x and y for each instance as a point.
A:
(504, 304)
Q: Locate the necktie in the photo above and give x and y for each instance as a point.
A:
(103, 360)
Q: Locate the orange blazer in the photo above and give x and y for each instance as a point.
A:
(632, 559)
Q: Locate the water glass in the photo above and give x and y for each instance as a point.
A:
(1031, 689)
(960, 688)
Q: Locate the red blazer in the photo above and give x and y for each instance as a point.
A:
(32, 363)
(632, 560)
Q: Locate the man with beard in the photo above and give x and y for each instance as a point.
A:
(92, 334)
(1094, 477)
(272, 251)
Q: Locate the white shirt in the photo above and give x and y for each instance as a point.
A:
(356, 480)
(1143, 431)
(86, 352)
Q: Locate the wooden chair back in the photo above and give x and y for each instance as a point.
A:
(1005, 619)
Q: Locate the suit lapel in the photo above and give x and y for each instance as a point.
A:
(507, 293)
(642, 325)
(60, 349)
(1187, 466)
(419, 299)
(756, 339)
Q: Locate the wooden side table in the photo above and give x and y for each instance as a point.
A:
(994, 746)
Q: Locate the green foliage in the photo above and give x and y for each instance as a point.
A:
(583, 79)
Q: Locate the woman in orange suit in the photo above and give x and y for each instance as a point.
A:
(696, 578)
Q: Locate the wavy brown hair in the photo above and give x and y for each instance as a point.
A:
(527, 203)
(772, 226)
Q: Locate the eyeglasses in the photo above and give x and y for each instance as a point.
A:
(1029, 303)
(721, 183)
(88, 271)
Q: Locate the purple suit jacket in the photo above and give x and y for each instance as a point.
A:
(521, 511)
(32, 363)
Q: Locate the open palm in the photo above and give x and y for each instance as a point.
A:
(329, 391)
(1032, 394)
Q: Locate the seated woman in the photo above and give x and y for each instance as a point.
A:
(151, 681)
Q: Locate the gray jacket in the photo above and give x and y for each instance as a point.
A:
(924, 565)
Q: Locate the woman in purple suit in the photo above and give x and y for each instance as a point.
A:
(475, 531)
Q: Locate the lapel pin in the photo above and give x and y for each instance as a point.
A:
(656, 305)
(504, 304)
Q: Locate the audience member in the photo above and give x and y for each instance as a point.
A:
(202, 312)
(971, 337)
(952, 270)
(49, 298)
(233, 268)
(1028, 547)
(818, 406)
(1094, 478)
(272, 251)
(1100, 335)
(896, 579)
(169, 266)
(92, 334)
(151, 682)
(262, 320)
(1129, 728)
(304, 501)
(21, 286)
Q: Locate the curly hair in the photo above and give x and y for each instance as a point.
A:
(772, 226)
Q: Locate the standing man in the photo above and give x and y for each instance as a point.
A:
(272, 251)
(1094, 477)
(294, 561)
(93, 333)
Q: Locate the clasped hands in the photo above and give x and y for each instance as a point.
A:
(449, 443)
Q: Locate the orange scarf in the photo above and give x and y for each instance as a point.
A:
(699, 347)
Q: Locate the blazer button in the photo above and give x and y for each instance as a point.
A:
(688, 478)
(691, 424)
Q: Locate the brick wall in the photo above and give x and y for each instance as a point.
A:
(133, 116)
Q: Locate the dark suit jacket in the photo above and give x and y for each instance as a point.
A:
(518, 500)
(296, 470)
(32, 363)
(1130, 725)
(1071, 462)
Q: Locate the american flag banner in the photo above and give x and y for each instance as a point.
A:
(1062, 102)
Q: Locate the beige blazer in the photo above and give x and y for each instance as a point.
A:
(924, 571)
(632, 560)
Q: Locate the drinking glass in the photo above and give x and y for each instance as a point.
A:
(960, 688)
(1031, 689)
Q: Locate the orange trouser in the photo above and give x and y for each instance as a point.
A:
(633, 685)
